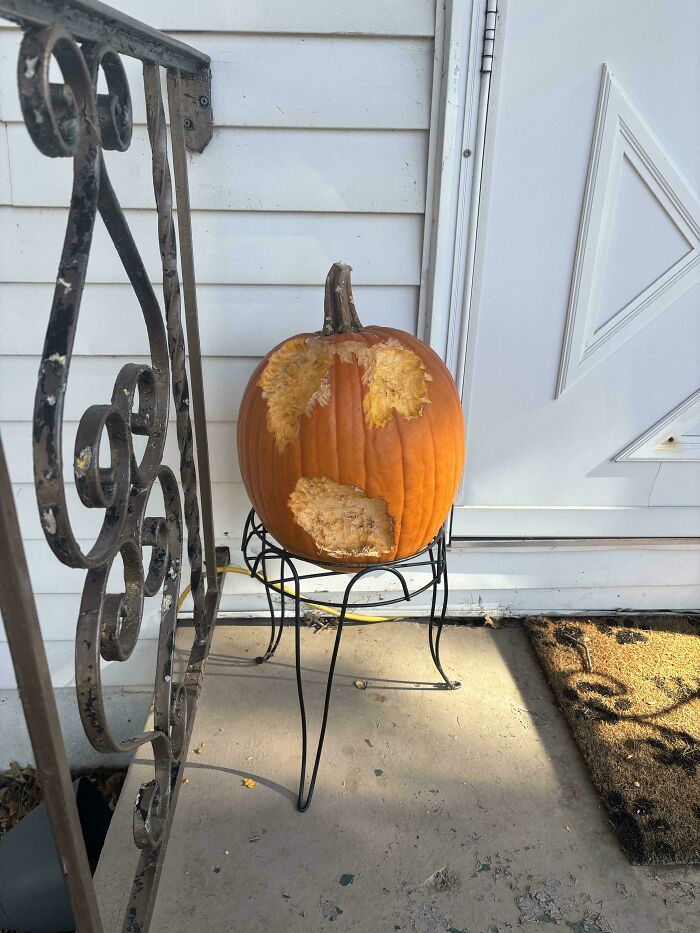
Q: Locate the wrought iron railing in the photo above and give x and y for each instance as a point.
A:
(73, 119)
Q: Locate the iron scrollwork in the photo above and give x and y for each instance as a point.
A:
(72, 120)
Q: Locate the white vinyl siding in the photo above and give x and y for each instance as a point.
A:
(320, 152)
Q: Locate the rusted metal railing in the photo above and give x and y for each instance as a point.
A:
(72, 119)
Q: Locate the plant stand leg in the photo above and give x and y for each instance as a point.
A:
(275, 632)
(435, 629)
(304, 802)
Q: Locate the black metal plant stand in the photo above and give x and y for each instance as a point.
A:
(287, 587)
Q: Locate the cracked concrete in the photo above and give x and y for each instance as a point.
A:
(435, 811)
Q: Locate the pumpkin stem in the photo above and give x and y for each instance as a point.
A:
(339, 314)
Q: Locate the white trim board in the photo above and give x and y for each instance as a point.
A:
(547, 577)
(513, 521)
(537, 577)
(475, 603)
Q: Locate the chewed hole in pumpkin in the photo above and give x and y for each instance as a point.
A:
(297, 378)
(396, 382)
(343, 521)
(292, 382)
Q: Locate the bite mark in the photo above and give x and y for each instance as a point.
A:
(343, 521)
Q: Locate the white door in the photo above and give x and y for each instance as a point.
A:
(582, 377)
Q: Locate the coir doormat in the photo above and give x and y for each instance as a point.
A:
(630, 688)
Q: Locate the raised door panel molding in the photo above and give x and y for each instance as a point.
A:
(676, 436)
(638, 247)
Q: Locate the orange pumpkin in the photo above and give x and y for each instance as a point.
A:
(351, 440)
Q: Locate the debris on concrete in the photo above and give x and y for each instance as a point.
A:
(444, 879)
(329, 910)
(681, 888)
(429, 919)
(543, 904)
(596, 924)
(361, 684)
(346, 879)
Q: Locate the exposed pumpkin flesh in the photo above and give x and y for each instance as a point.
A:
(296, 379)
(396, 382)
(343, 521)
(292, 382)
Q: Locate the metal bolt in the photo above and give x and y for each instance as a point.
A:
(188, 124)
(203, 100)
(467, 153)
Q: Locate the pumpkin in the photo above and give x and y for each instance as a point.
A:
(351, 440)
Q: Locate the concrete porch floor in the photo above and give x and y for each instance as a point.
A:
(484, 782)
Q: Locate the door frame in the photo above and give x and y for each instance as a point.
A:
(465, 113)
(465, 89)
(455, 174)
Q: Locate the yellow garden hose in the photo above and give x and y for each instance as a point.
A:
(327, 609)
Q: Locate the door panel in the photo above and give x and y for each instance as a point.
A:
(584, 373)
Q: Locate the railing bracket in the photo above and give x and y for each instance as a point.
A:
(196, 109)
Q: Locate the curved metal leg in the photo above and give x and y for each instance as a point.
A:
(440, 572)
(275, 633)
(304, 802)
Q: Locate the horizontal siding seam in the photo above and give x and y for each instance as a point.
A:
(285, 128)
(7, 27)
(149, 211)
